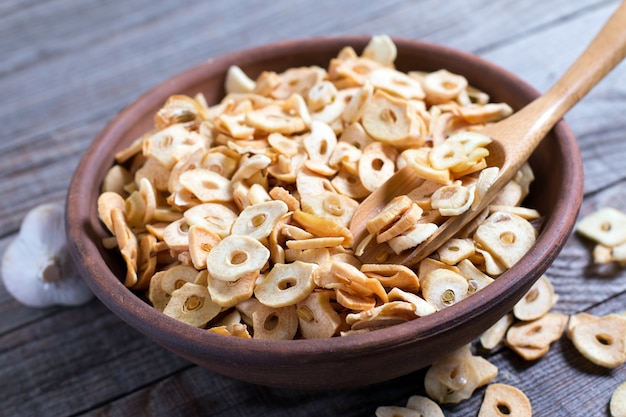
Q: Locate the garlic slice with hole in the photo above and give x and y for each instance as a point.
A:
(37, 269)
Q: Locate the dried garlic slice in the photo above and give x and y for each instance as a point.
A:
(286, 284)
(192, 304)
(505, 400)
(601, 339)
(537, 302)
(617, 405)
(235, 256)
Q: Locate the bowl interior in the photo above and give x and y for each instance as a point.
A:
(337, 362)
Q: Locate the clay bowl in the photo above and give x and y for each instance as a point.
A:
(338, 362)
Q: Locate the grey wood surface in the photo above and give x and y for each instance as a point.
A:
(68, 66)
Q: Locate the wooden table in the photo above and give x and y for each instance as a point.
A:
(67, 67)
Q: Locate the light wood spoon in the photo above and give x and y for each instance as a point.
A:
(514, 140)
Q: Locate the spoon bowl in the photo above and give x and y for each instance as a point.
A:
(513, 141)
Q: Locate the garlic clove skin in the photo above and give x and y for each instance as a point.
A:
(37, 269)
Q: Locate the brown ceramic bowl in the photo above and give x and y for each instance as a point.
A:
(338, 362)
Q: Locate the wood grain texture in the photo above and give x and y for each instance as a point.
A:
(68, 67)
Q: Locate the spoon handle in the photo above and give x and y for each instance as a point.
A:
(527, 127)
(517, 136)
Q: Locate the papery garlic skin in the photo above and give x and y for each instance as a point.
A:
(37, 269)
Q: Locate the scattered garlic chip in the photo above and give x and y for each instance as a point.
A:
(617, 405)
(602, 254)
(416, 406)
(424, 405)
(495, 334)
(505, 400)
(537, 302)
(602, 340)
(396, 411)
(531, 339)
(456, 377)
(606, 226)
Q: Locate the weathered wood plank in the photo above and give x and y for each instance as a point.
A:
(219, 396)
(97, 72)
(541, 57)
(74, 358)
(39, 170)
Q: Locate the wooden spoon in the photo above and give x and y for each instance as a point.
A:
(514, 140)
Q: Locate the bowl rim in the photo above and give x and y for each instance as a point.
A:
(139, 314)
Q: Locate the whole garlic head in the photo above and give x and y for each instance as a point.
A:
(37, 269)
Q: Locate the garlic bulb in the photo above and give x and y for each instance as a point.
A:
(37, 269)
